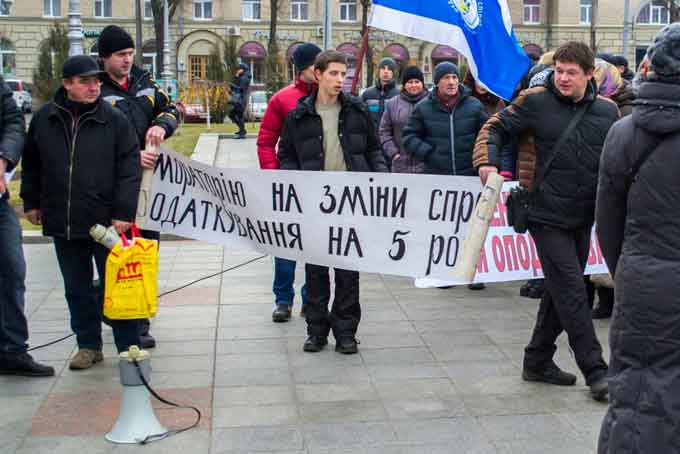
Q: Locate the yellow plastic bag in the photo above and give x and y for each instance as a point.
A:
(131, 286)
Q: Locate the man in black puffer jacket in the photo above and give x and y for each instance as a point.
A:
(442, 129)
(562, 209)
(81, 168)
(383, 90)
(333, 132)
(639, 233)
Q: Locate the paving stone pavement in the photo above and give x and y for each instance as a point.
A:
(438, 370)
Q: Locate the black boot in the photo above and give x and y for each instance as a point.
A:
(346, 345)
(315, 344)
(146, 340)
(281, 313)
(551, 374)
(24, 365)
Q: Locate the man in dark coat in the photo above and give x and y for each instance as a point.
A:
(562, 209)
(384, 89)
(14, 359)
(442, 129)
(329, 131)
(637, 202)
(150, 111)
(81, 168)
(240, 86)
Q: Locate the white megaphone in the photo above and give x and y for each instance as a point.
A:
(136, 420)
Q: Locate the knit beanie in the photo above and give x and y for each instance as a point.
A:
(304, 55)
(444, 68)
(664, 55)
(389, 62)
(412, 72)
(112, 39)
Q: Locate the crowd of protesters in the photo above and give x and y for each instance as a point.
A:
(585, 136)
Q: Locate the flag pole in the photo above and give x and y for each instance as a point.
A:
(360, 62)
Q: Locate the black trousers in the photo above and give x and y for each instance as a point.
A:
(564, 306)
(345, 314)
(237, 115)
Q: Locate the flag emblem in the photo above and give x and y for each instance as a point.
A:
(469, 10)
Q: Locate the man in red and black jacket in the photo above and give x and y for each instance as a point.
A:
(152, 114)
(278, 108)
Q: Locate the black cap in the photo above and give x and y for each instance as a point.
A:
(80, 65)
(112, 39)
(304, 55)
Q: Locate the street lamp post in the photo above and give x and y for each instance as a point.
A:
(626, 27)
(166, 74)
(327, 25)
(75, 28)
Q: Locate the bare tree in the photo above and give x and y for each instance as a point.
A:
(159, 28)
(366, 4)
(593, 25)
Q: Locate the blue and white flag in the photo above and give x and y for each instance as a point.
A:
(481, 30)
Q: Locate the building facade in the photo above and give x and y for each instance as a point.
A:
(200, 25)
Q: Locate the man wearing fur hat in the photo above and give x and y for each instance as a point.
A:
(152, 114)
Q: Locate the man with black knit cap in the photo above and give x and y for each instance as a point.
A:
(80, 168)
(150, 111)
(278, 108)
(383, 90)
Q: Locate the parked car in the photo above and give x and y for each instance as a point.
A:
(192, 113)
(257, 105)
(22, 94)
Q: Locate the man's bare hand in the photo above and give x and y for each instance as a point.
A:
(484, 172)
(121, 226)
(396, 156)
(148, 158)
(155, 135)
(3, 169)
(34, 217)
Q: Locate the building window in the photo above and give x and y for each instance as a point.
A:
(348, 10)
(51, 8)
(654, 13)
(532, 11)
(299, 10)
(198, 67)
(148, 11)
(102, 8)
(203, 9)
(4, 8)
(252, 10)
(8, 57)
(586, 11)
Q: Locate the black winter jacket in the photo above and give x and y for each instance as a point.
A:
(376, 97)
(240, 85)
(444, 140)
(566, 197)
(80, 171)
(12, 129)
(301, 144)
(639, 230)
(144, 103)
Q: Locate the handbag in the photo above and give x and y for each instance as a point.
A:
(520, 198)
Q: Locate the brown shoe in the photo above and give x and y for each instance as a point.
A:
(85, 358)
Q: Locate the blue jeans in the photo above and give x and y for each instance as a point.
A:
(84, 301)
(284, 278)
(13, 325)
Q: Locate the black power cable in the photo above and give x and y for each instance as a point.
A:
(169, 433)
(240, 265)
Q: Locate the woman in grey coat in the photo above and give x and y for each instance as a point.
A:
(639, 229)
(397, 112)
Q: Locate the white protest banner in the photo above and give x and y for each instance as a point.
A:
(401, 224)
(408, 225)
(511, 256)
